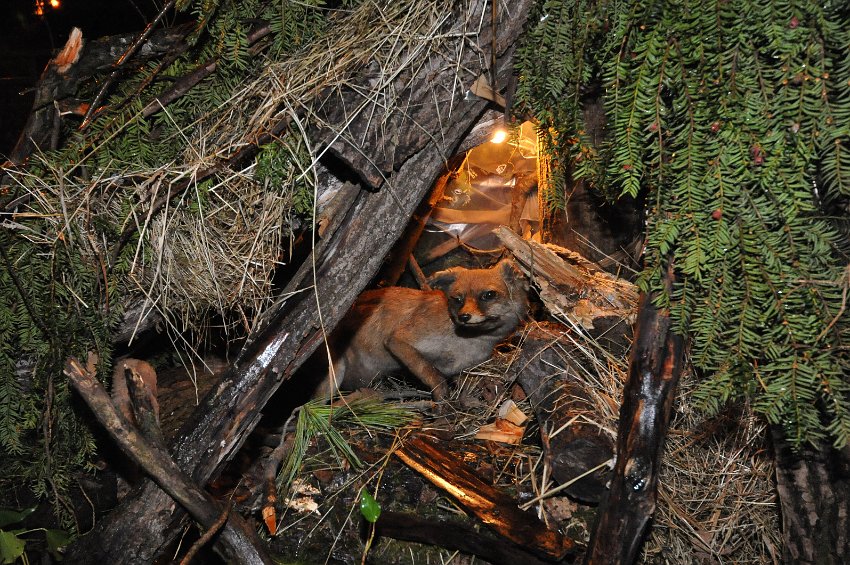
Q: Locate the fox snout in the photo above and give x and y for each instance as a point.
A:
(471, 310)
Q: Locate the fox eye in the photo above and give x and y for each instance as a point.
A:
(488, 295)
(457, 299)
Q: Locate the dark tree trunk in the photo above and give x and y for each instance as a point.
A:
(814, 495)
(345, 261)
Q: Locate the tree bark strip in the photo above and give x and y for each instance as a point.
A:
(348, 259)
(654, 369)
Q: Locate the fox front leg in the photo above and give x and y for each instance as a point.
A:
(416, 363)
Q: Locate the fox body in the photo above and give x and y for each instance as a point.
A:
(432, 334)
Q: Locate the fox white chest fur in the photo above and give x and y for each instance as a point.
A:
(432, 334)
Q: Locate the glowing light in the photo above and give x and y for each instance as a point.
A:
(39, 7)
(499, 136)
(55, 3)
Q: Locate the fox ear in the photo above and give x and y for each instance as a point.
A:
(511, 273)
(442, 280)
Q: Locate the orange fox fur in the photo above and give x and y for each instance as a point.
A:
(432, 334)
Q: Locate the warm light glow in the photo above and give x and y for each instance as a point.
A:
(499, 136)
(39, 7)
(55, 3)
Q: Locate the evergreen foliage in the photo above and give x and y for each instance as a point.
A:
(317, 419)
(733, 118)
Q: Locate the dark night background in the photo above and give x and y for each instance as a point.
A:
(28, 40)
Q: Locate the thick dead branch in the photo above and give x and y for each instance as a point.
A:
(654, 369)
(495, 508)
(238, 543)
(452, 536)
(57, 84)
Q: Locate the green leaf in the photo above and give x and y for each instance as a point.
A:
(8, 517)
(57, 540)
(369, 507)
(11, 547)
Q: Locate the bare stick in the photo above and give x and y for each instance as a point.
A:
(654, 369)
(208, 535)
(119, 64)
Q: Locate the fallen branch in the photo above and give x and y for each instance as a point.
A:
(58, 83)
(238, 543)
(453, 536)
(495, 508)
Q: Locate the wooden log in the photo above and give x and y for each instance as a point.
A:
(453, 536)
(345, 262)
(238, 543)
(570, 285)
(814, 494)
(654, 368)
(547, 369)
(492, 506)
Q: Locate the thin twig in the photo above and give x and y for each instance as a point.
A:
(119, 64)
(208, 535)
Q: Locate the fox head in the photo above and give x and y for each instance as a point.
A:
(485, 300)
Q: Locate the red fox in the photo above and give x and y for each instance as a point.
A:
(433, 334)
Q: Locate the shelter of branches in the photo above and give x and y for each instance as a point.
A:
(192, 210)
